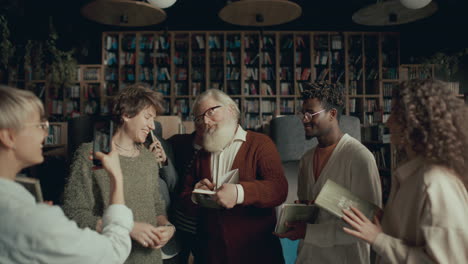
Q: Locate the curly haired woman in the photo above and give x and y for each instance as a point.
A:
(425, 219)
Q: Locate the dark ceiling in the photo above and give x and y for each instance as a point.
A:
(29, 20)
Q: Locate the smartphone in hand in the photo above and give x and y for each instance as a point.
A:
(102, 137)
(150, 139)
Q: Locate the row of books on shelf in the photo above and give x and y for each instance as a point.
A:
(250, 58)
(127, 58)
(146, 42)
(198, 42)
(110, 58)
(454, 87)
(233, 42)
(91, 91)
(390, 73)
(250, 42)
(336, 42)
(146, 74)
(181, 106)
(72, 108)
(214, 42)
(232, 58)
(251, 89)
(216, 58)
(232, 73)
(197, 88)
(89, 74)
(387, 105)
(251, 74)
(180, 58)
(370, 105)
(111, 74)
(128, 74)
(410, 73)
(129, 42)
(268, 42)
(287, 43)
(387, 89)
(198, 74)
(54, 136)
(111, 42)
(252, 122)
(162, 74)
(287, 107)
(165, 88)
(72, 91)
(380, 160)
(321, 58)
(303, 74)
(55, 107)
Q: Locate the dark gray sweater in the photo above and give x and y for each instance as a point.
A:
(87, 195)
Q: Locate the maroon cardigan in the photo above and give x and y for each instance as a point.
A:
(243, 234)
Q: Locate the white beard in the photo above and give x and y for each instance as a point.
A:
(218, 136)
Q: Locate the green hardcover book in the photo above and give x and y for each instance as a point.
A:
(295, 212)
(334, 198)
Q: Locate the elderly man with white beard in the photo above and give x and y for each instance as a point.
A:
(242, 230)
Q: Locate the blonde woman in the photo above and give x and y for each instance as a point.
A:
(39, 233)
(425, 219)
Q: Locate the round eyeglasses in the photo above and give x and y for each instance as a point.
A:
(307, 116)
(42, 125)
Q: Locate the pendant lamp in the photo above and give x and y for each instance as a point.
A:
(125, 13)
(259, 12)
(391, 12)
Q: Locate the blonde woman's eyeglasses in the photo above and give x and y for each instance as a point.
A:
(42, 125)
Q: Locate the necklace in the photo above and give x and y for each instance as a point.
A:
(122, 148)
(133, 151)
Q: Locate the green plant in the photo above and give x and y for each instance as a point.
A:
(7, 50)
(447, 64)
(62, 64)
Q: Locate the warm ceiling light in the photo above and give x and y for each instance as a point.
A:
(415, 4)
(392, 12)
(162, 3)
(126, 13)
(260, 12)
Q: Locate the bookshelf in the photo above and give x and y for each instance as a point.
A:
(425, 71)
(56, 140)
(83, 96)
(264, 72)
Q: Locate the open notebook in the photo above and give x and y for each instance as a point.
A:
(205, 197)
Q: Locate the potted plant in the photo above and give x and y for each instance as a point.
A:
(62, 65)
(446, 64)
(7, 50)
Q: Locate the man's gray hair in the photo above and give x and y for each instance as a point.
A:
(219, 96)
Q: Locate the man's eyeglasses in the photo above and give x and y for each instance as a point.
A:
(42, 125)
(208, 113)
(308, 116)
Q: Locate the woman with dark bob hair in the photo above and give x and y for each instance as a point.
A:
(425, 219)
(134, 111)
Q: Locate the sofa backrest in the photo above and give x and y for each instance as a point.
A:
(288, 134)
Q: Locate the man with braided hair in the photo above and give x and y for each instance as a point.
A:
(338, 157)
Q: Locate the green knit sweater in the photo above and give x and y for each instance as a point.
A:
(87, 195)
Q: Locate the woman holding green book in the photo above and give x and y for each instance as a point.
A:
(425, 219)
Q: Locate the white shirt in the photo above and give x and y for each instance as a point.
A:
(39, 233)
(221, 162)
(426, 217)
